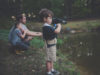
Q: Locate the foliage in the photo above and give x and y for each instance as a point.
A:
(32, 61)
(37, 43)
(61, 8)
(4, 34)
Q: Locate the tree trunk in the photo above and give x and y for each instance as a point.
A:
(19, 7)
(68, 8)
(92, 7)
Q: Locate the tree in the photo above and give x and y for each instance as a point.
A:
(68, 8)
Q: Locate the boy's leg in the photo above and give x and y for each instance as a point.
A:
(48, 65)
(52, 66)
(22, 45)
(27, 43)
(53, 70)
(28, 38)
(53, 57)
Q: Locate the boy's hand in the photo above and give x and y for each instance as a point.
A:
(59, 25)
(22, 30)
(58, 29)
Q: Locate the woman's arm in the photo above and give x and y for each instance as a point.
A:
(31, 33)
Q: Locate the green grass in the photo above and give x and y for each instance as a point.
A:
(4, 34)
(33, 59)
(88, 24)
(82, 24)
(37, 42)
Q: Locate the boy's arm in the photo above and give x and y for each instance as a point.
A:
(58, 29)
(24, 34)
(21, 34)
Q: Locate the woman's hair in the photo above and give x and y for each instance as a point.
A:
(44, 13)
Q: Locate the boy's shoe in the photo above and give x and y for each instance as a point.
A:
(50, 73)
(55, 72)
(19, 52)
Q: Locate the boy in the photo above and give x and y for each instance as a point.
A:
(49, 35)
(18, 36)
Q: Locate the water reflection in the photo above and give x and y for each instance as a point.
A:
(84, 50)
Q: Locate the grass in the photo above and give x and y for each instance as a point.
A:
(83, 24)
(4, 34)
(37, 42)
(32, 61)
(36, 26)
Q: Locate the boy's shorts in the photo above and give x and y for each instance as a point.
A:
(51, 51)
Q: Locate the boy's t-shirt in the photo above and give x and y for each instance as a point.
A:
(11, 33)
(16, 36)
(48, 32)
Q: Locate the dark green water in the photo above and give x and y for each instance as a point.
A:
(84, 50)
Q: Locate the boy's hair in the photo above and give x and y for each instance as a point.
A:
(16, 24)
(18, 17)
(44, 13)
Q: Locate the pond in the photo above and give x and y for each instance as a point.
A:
(84, 50)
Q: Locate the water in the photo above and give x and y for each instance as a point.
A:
(84, 50)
